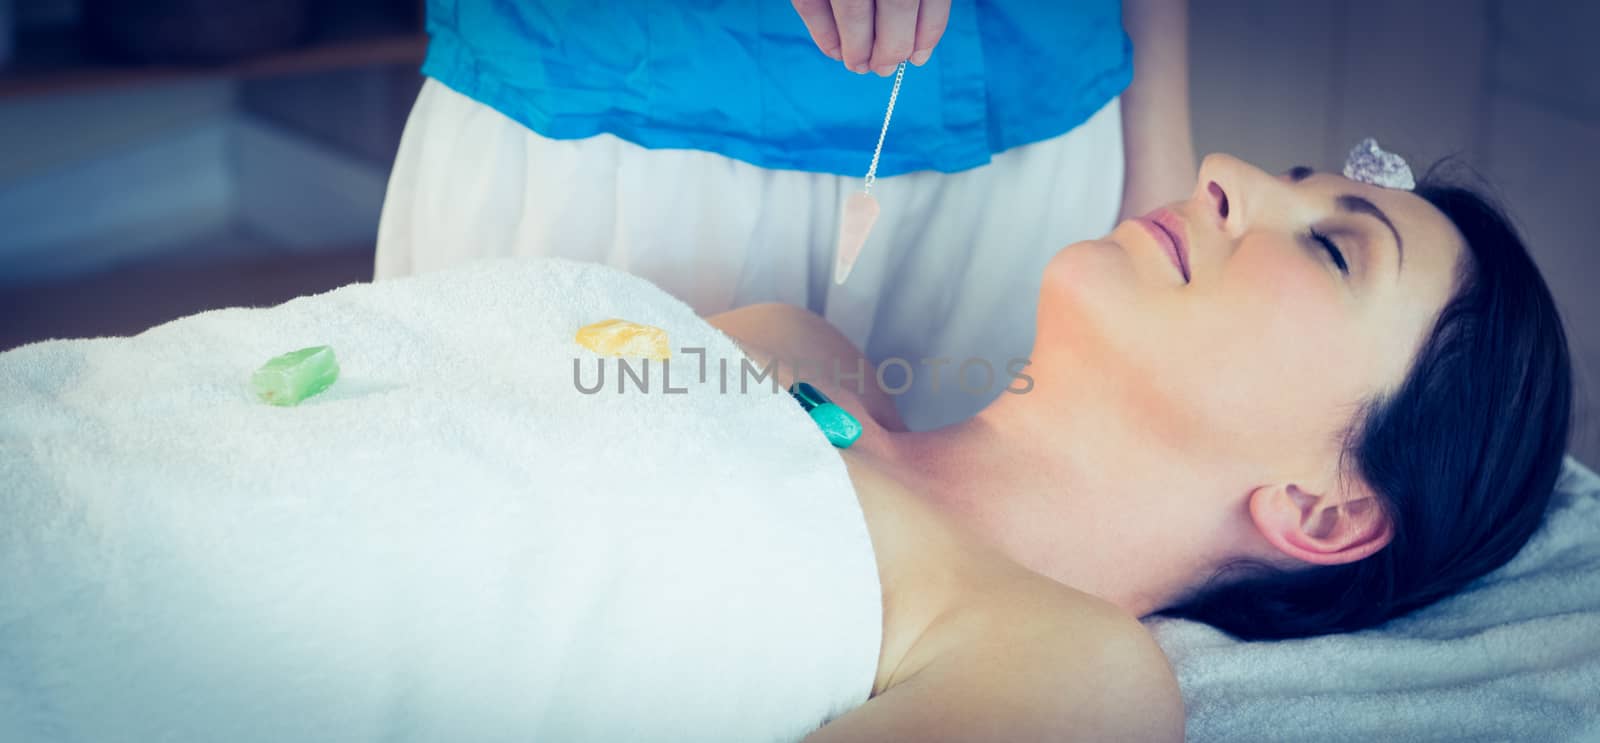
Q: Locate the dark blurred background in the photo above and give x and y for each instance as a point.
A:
(161, 157)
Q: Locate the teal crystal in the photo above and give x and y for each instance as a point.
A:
(291, 378)
(841, 428)
(809, 397)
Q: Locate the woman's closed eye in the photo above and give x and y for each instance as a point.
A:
(1333, 251)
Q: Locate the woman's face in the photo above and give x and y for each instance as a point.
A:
(1269, 346)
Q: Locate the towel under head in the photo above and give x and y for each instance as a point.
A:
(1514, 657)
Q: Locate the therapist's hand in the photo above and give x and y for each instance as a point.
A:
(875, 35)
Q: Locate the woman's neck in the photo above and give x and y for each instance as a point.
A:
(1068, 495)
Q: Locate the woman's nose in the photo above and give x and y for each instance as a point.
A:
(1222, 191)
(1219, 199)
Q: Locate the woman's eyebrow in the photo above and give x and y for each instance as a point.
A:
(1357, 205)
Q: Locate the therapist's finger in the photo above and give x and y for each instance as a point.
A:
(854, 19)
(818, 16)
(896, 29)
(932, 18)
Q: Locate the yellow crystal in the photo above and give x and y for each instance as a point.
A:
(622, 338)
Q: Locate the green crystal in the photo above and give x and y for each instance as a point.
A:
(841, 428)
(295, 376)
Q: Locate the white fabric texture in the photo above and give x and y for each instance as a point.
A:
(951, 269)
(452, 543)
(1514, 657)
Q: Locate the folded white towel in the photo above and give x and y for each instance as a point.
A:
(1514, 657)
(451, 543)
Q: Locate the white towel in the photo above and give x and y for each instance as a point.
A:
(1515, 657)
(451, 543)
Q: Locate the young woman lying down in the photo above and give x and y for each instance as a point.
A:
(1332, 404)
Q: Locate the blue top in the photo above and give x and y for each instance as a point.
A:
(743, 78)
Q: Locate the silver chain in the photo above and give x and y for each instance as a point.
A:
(872, 170)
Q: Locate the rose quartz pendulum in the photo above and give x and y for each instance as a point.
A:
(861, 209)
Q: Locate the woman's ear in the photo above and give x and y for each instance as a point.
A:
(1325, 528)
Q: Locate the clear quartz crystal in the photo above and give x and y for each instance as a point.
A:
(1369, 163)
(291, 378)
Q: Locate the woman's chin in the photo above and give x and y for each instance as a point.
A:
(1087, 278)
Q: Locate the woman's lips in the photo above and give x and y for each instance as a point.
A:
(1167, 229)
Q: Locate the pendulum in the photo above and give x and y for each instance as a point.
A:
(861, 209)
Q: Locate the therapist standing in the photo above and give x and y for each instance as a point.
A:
(709, 146)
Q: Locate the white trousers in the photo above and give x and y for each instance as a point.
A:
(951, 271)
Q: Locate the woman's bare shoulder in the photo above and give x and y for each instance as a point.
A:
(1033, 660)
(794, 335)
(1085, 666)
(1024, 606)
(779, 328)
(961, 614)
